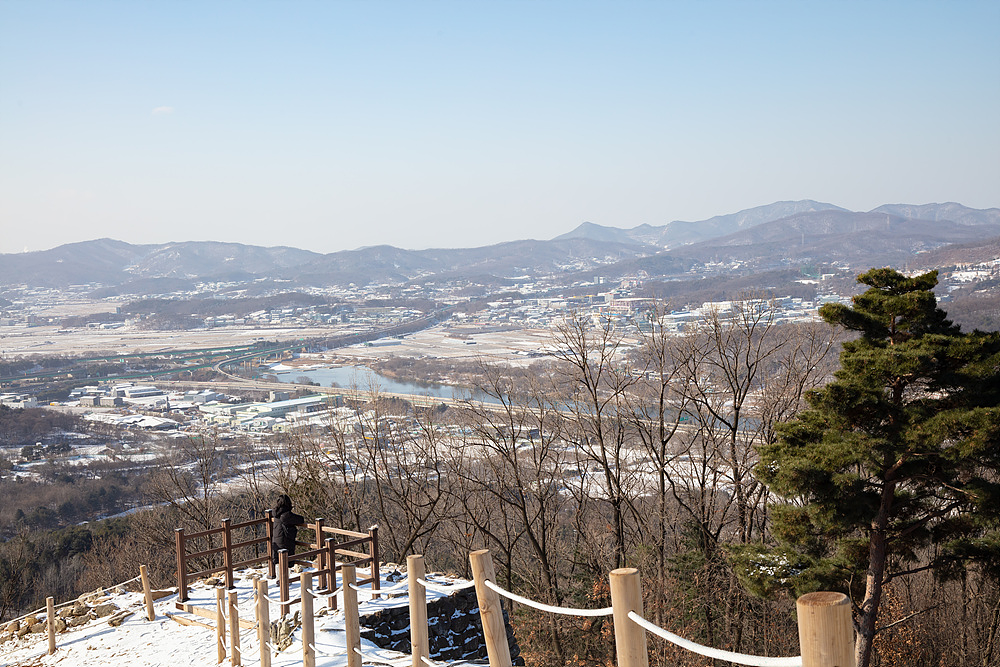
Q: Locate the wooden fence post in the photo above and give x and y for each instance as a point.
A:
(630, 638)
(147, 593)
(283, 580)
(826, 632)
(263, 623)
(269, 530)
(227, 551)
(419, 645)
(220, 625)
(376, 566)
(308, 623)
(318, 544)
(50, 623)
(352, 624)
(182, 591)
(331, 563)
(494, 631)
(234, 630)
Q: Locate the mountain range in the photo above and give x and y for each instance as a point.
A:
(781, 234)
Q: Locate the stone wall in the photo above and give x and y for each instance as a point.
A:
(454, 629)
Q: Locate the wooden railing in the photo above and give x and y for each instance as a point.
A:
(227, 550)
(326, 555)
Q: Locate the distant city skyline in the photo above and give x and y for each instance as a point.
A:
(336, 125)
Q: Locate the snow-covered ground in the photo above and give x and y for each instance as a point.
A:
(164, 642)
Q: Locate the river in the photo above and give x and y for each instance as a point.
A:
(364, 378)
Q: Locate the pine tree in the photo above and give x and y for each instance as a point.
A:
(900, 451)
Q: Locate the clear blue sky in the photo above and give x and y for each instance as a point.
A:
(331, 125)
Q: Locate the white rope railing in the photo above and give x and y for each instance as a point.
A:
(325, 653)
(398, 588)
(326, 595)
(250, 653)
(567, 611)
(273, 601)
(66, 604)
(715, 653)
(428, 661)
(438, 588)
(368, 658)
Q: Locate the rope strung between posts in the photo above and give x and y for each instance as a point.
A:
(718, 654)
(324, 653)
(273, 601)
(73, 601)
(328, 594)
(428, 661)
(567, 611)
(442, 589)
(251, 653)
(398, 588)
(245, 632)
(368, 658)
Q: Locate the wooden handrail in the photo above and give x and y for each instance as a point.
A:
(354, 543)
(195, 575)
(202, 554)
(247, 524)
(252, 561)
(249, 543)
(345, 532)
(204, 533)
(323, 557)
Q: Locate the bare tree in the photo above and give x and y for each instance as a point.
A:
(598, 378)
(522, 456)
(658, 408)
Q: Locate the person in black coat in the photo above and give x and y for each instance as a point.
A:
(286, 524)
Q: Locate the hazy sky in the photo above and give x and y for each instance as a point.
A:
(331, 125)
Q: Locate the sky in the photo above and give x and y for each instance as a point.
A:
(332, 125)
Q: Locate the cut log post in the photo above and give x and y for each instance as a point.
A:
(147, 593)
(234, 630)
(220, 626)
(352, 624)
(826, 632)
(494, 631)
(263, 623)
(630, 638)
(331, 564)
(420, 647)
(308, 627)
(50, 623)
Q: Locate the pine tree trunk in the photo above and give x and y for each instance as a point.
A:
(877, 553)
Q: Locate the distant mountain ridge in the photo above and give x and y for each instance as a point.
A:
(677, 233)
(760, 238)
